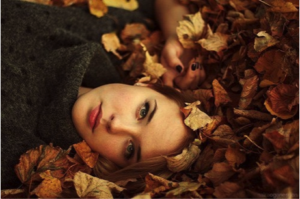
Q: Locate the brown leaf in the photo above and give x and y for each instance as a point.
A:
(271, 64)
(220, 173)
(281, 6)
(156, 184)
(221, 95)
(234, 156)
(248, 92)
(183, 188)
(87, 186)
(283, 100)
(86, 154)
(204, 96)
(13, 193)
(253, 114)
(276, 139)
(134, 31)
(97, 8)
(184, 160)
(224, 135)
(205, 160)
(229, 190)
(49, 188)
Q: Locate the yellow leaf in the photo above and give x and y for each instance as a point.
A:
(263, 41)
(196, 119)
(190, 30)
(97, 8)
(123, 4)
(183, 187)
(151, 66)
(49, 188)
(281, 6)
(13, 193)
(184, 160)
(86, 154)
(111, 43)
(87, 186)
(216, 42)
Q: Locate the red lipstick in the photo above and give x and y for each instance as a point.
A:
(95, 116)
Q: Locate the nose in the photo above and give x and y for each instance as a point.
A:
(121, 124)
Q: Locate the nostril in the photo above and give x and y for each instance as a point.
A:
(112, 117)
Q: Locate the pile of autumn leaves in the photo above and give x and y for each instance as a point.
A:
(245, 114)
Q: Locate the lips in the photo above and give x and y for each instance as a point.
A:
(95, 116)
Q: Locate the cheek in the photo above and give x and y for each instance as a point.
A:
(108, 146)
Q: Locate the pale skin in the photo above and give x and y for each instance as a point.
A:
(183, 71)
(134, 123)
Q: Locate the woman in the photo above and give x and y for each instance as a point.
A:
(47, 54)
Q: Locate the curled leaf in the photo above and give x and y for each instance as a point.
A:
(196, 119)
(123, 4)
(248, 92)
(216, 42)
(156, 184)
(190, 30)
(264, 41)
(221, 95)
(87, 186)
(184, 160)
(97, 8)
(86, 154)
(111, 43)
(234, 156)
(134, 31)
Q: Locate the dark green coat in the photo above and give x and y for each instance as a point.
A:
(47, 52)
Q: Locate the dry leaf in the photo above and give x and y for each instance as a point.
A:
(216, 42)
(97, 8)
(234, 156)
(204, 96)
(184, 160)
(196, 119)
(283, 100)
(229, 190)
(248, 92)
(183, 188)
(13, 193)
(281, 6)
(49, 188)
(190, 30)
(88, 186)
(86, 154)
(220, 172)
(220, 94)
(264, 41)
(134, 31)
(123, 4)
(156, 184)
(253, 114)
(111, 43)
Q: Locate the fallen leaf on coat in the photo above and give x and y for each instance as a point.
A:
(123, 4)
(88, 186)
(196, 119)
(184, 160)
(86, 154)
(111, 43)
(97, 8)
(134, 31)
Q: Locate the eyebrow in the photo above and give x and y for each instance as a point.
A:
(138, 156)
(152, 113)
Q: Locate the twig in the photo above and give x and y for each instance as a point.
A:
(246, 136)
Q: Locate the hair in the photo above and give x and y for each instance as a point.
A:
(106, 169)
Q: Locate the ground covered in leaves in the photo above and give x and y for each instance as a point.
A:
(245, 114)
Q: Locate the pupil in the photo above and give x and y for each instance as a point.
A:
(143, 112)
(129, 148)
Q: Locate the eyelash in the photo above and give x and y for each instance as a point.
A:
(145, 108)
(129, 150)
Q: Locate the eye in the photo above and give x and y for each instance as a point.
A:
(129, 150)
(143, 111)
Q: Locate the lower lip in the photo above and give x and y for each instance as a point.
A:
(95, 116)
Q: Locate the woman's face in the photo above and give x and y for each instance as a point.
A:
(126, 124)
